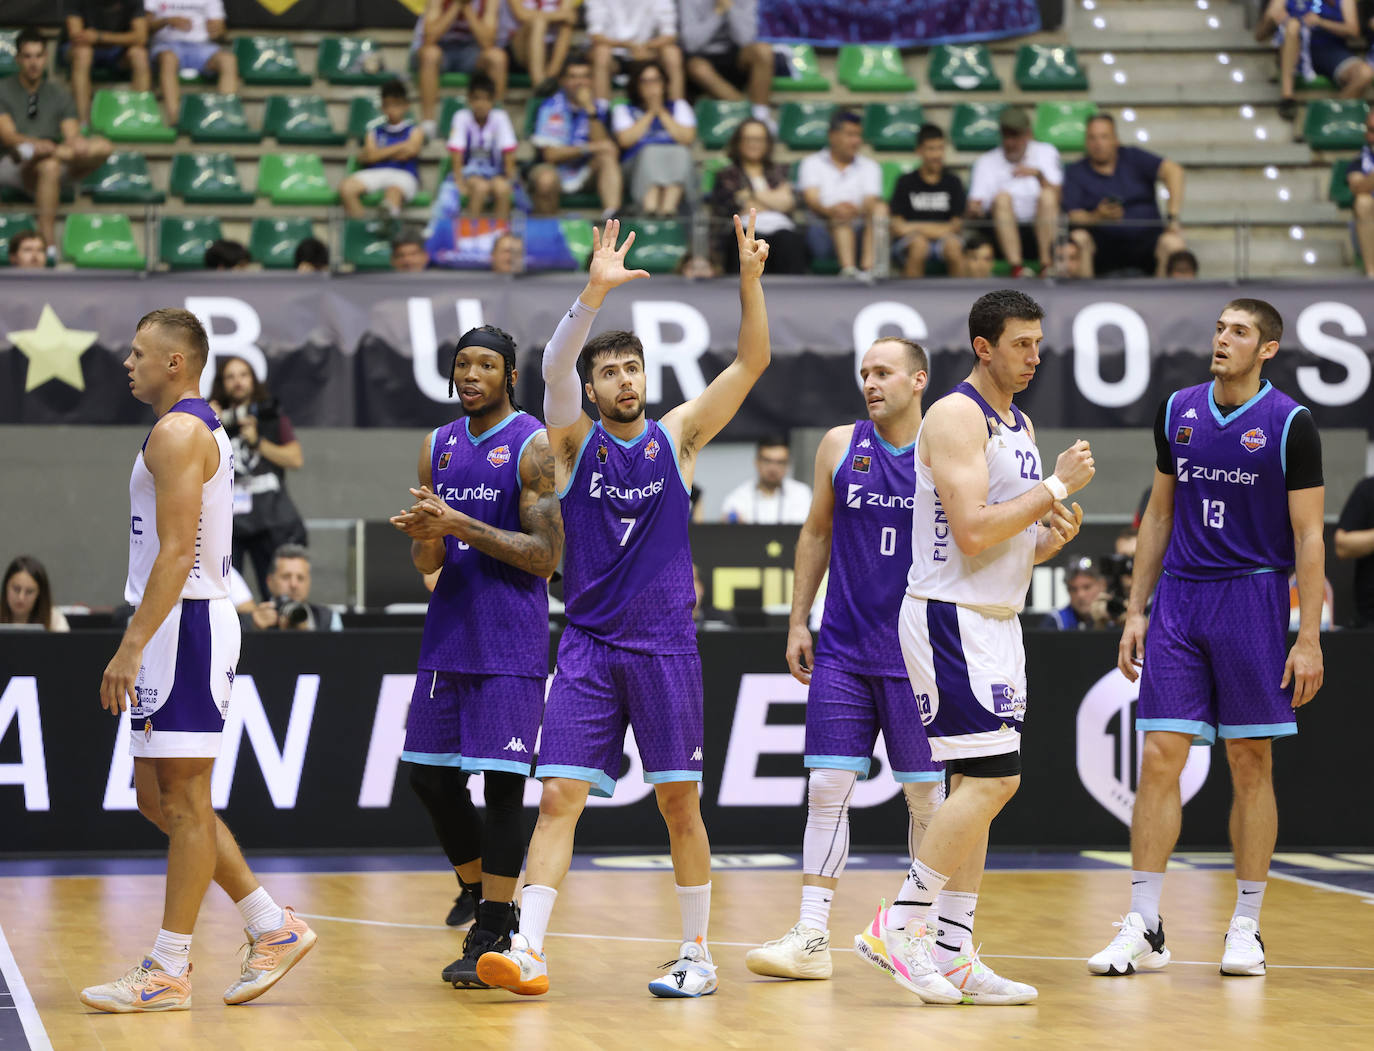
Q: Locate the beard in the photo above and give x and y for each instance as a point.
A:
(622, 413)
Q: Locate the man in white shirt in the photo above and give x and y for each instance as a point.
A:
(1018, 185)
(845, 191)
(637, 31)
(773, 498)
(187, 36)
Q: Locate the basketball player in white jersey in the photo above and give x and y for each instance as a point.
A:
(984, 516)
(173, 672)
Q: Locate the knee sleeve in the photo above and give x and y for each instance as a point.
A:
(825, 846)
(503, 831)
(444, 792)
(923, 798)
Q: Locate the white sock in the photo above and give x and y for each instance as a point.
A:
(695, 903)
(536, 906)
(1249, 898)
(953, 924)
(173, 952)
(919, 891)
(1146, 887)
(815, 907)
(260, 913)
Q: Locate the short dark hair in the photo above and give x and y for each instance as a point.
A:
(773, 441)
(916, 357)
(841, 117)
(184, 325)
(578, 57)
(1180, 260)
(481, 84)
(225, 255)
(928, 133)
(17, 242)
(29, 35)
(990, 313)
(604, 345)
(732, 147)
(1268, 320)
(409, 237)
(1102, 116)
(290, 551)
(1083, 566)
(395, 88)
(314, 252)
(976, 240)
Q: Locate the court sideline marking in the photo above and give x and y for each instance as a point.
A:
(34, 1032)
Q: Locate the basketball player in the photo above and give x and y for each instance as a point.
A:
(486, 517)
(976, 533)
(629, 652)
(1237, 502)
(860, 526)
(173, 671)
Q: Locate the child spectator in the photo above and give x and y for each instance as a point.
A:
(482, 145)
(389, 159)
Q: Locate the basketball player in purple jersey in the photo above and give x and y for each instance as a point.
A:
(860, 527)
(1237, 503)
(174, 669)
(486, 516)
(628, 655)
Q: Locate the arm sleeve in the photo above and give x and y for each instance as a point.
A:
(1164, 456)
(806, 174)
(873, 179)
(1075, 196)
(285, 431)
(562, 392)
(457, 132)
(1303, 453)
(1358, 513)
(541, 136)
(621, 118)
(505, 133)
(981, 185)
(1149, 164)
(684, 114)
(958, 200)
(1054, 166)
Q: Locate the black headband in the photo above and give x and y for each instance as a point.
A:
(476, 337)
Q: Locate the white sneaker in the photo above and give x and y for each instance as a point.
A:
(980, 984)
(1133, 949)
(803, 952)
(905, 957)
(519, 969)
(691, 974)
(1244, 952)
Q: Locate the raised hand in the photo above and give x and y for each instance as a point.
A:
(753, 253)
(607, 270)
(1075, 466)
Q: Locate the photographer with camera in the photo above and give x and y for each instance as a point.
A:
(1093, 603)
(290, 608)
(265, 448)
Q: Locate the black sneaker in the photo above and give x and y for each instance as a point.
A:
(464, 909)
(463, 971)
(1288, 108)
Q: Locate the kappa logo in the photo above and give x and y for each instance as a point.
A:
(594, 490)
(515, 744)
(444, 458)
(452, 440)
(865, 444)
(696, 756)
(1254, 440)
(855, 497)
(651, 450)
(1191, 414)
(600, 454)
(862, 464)
(500, 456)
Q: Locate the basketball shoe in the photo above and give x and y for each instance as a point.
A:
(463, 971)
(1244, 954)
(905, 957)
(803, 952)
(270, 955)
(519, 969)
(464, 909)
(691, 974)
(1134, 948)
(979, 984)
(145, 988)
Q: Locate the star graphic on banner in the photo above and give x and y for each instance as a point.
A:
(54, 350)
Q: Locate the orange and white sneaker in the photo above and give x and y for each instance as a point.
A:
(145, 988)
(269, 957)
(519, 969)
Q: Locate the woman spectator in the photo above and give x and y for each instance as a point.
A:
(26, 597)
(753, 181)
(655, 135)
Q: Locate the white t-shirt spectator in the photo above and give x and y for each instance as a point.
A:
(200, 12)
(859, 179)
(992, 174)
(623, 116)
(483, 146)
(789, 504)
(637, 21)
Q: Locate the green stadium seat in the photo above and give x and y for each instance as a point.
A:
(710, 168)
(12, 223)
(129, 116)
(447, 109)
(367, 243)
(805, 125)
(364, 114)
(717, 121)
(962, 68)
(212, 117)
(9, 55)
(184, 239)
(577, 235)
(101, 241)
(207, 178)
(272, 242)
(1045, 67)
(805, 67)
(891, 126)
(13, 194)
(294, 178)
(123, 179)
(268, 60)
(892, 171)
(1314, 83)
(422, 198)
(659, 244)
(347, 60)
(1339, 190)
(974, 126)
(302, 120)
(1335, 124)
(871, 67)
(1062, 124)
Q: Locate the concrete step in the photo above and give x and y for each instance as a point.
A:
(1202, 17)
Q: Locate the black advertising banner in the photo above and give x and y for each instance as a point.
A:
(373, 350)
(311, 753)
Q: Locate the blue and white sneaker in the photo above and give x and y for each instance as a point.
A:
(691, 974)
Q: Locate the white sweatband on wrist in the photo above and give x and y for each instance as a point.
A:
(1056, 486)
(562, 391)
(25, 151)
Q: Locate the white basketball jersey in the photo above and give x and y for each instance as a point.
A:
(1000, 576)
(209, 576)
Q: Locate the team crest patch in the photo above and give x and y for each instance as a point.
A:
(1184, 436)
(651, 450)
(500, 456)
(1254, 440)
(861, 464)
(444, 458)
(600, 454)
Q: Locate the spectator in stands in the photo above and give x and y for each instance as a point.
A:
(927, 210)
(574, 144)
(265, 448)
(634, 31)
(289, 607)
(655, 133)
(1314, 36)
(389, 160)
(1354, 540)
(773, 497)
(1085, 611)
(725, 57)
(979, 255)
(28, 250)
(1114, 217)
(457, 36)
(1017, 185)
(1069, 261)
(1359, 176)
(695, 267)
(508, 255)
(542, 37)
(111, 35)
(26, 598)
(188, 37)
(844, 190)
(754, 180)
(226, 255)
(312, 256)
(409, 254)
(482, 145)
(41, 145)
(1181, 265)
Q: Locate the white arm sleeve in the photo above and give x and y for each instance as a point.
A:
(562, 391)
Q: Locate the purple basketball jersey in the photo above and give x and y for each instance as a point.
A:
(1231, 497)
(627, 562)
(870, 552)
(485, 617)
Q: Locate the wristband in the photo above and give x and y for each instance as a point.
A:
(1056, 486)
(25, 151)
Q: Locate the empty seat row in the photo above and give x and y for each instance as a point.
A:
(952, 67)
